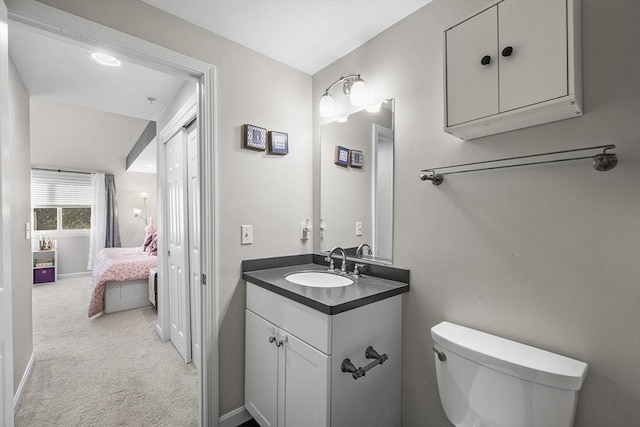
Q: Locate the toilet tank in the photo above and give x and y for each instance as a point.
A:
(485, 380)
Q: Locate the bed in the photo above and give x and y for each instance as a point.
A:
(120, 279)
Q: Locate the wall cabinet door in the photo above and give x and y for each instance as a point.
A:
(513, 65)
(535, 34)
(472, 68)
(261, 370)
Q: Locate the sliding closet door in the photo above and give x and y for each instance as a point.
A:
(194, 241)
(177, 242)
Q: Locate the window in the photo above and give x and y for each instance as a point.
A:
(61, 201)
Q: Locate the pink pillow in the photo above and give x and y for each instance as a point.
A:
(153, 246)
(147, 241)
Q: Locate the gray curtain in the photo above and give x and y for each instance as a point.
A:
(112, 239)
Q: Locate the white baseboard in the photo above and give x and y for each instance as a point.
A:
(70, 275)
(17, 398)
(235, 418)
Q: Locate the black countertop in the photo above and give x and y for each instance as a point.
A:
(270, 274)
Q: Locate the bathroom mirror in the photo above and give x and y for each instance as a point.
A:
(356, 182)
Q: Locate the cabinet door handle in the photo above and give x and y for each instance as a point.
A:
(278, 342)
(507, 51)
(486, 60)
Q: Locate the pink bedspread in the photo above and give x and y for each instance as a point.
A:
(118, 265)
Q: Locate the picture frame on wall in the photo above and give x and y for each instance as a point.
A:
(278, 143)
(254, 137)
(341, 156)
(355, 158)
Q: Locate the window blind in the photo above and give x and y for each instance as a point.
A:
(53, 188)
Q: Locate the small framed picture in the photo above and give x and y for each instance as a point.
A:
(254, 137)
(341, 156)
(355, 159)
(278, 143)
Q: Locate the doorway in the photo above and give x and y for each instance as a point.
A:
(77, 30)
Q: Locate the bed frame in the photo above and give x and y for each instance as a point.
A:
(120, 296)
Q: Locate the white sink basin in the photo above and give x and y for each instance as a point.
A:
(318, 279)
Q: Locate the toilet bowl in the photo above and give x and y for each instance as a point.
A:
(488, 381)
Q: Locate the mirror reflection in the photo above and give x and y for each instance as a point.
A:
(356, 187)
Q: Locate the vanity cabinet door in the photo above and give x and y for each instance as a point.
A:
(305, 384)
(261, 370)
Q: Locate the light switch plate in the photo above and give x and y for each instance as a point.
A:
(247, 234)
(358, 228)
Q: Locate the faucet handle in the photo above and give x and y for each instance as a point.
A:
(356, 269)
(330, 261)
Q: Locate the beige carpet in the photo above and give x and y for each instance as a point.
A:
(108, 371)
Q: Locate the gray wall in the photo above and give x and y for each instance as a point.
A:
(545, 255)
(252, 187)
(21, 267)
(77, 138)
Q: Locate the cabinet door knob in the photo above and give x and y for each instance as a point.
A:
(507, 51)
(485, 60)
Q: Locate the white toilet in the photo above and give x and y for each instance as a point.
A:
(488, 381)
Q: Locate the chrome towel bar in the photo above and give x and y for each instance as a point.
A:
(601, 162)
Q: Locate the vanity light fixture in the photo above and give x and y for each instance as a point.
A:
(353, 86)
(106, 59)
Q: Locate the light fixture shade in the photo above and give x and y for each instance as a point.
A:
(327, 105)
(106, 59)
(374, 108)
(137, 212)
(359, 93)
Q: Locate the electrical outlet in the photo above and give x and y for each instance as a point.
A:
(358, 228)
(247, 234)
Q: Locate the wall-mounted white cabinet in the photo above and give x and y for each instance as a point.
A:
(294, 356)
(513, 65)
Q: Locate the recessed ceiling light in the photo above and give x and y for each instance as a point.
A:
(105, 59)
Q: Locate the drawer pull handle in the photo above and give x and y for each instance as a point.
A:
(507, 51)
(486, 60)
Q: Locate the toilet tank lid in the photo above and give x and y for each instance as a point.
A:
(511, 357)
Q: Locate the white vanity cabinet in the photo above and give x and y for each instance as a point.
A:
(281, 368)
(513, 65)
(293, 359)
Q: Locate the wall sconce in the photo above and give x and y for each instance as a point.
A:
(353, 86)
(137, 213)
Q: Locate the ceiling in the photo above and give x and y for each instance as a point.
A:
(62, 71)
(305, 34)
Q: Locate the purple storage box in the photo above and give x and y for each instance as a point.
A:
(44, 275)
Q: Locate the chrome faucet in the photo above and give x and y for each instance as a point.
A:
(360, 248)
(343, 267)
